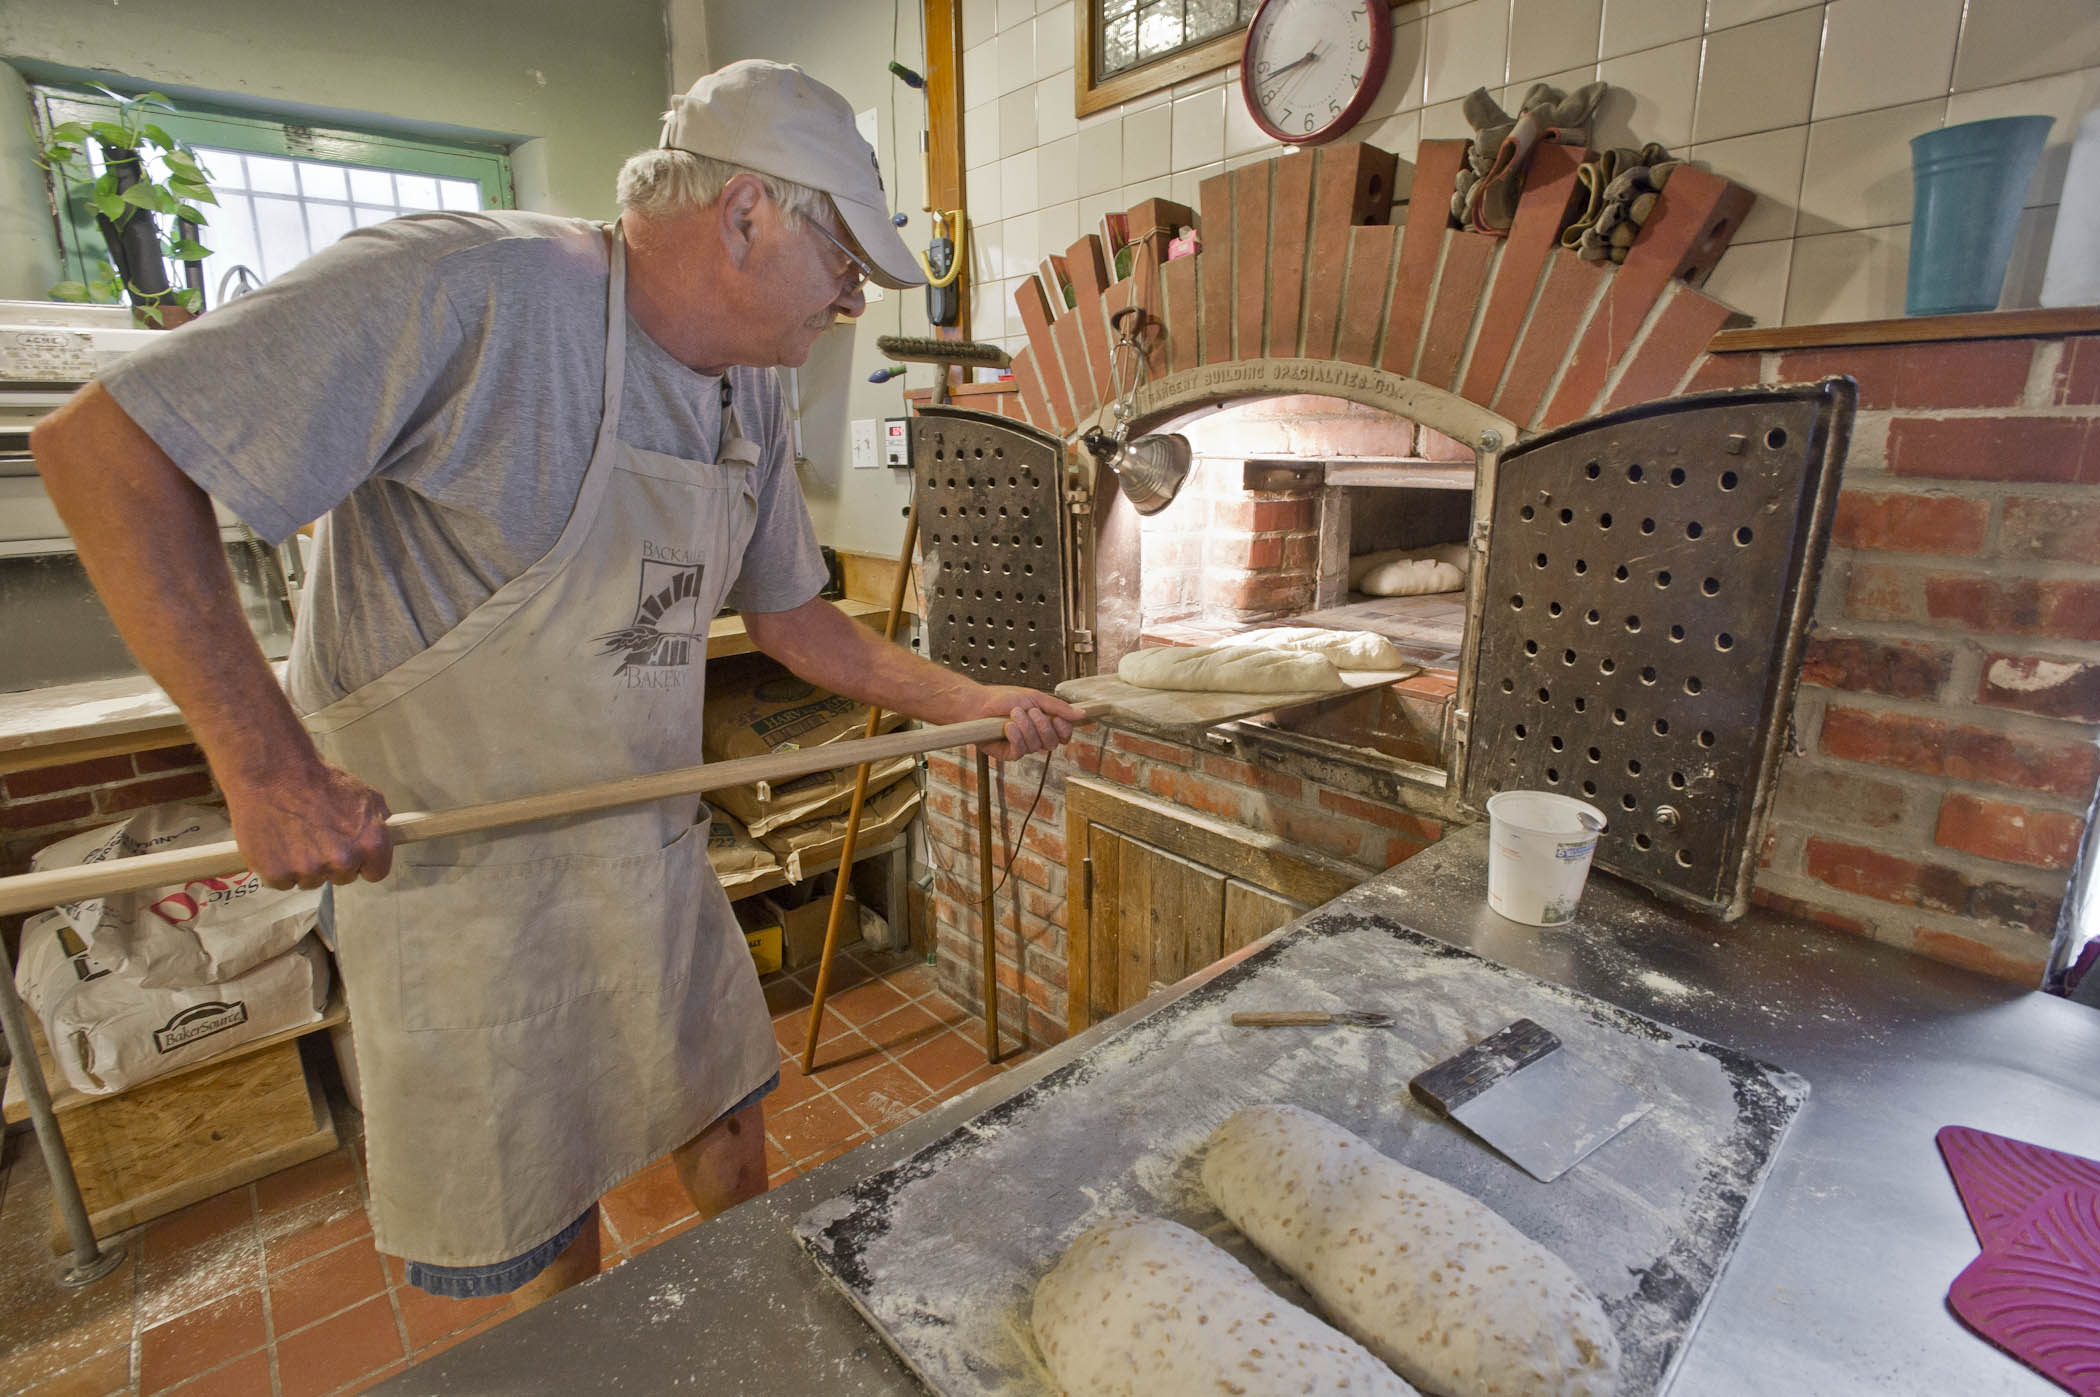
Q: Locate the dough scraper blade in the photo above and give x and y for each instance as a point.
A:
(1530, 1098)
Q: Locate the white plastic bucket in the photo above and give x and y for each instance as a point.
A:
(1539, 849)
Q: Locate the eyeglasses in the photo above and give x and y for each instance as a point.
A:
(861, 272)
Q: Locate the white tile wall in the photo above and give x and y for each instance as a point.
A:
(1756, 77)
(1633, 25)
(1883, 53)
(1857, 173)
(1808, 102)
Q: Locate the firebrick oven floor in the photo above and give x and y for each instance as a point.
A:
(1431, 629)
(275, 1288)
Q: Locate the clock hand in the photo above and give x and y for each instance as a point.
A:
(1310, 55)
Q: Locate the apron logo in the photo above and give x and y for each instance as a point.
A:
(667, 625)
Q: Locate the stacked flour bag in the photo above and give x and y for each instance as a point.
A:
(755, 708)
(135, 985)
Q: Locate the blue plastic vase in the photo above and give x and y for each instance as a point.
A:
(1970, 183)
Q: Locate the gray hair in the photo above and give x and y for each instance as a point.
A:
(659, 183)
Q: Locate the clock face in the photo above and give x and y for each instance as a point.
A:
(1311, 67)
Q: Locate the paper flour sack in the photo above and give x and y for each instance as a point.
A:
(198, 933)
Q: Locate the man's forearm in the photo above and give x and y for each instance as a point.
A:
(823, 645)
(150, 543)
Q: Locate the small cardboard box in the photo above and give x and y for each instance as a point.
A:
(761, 925)
(803, 928)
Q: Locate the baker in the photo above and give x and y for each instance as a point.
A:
(544, 453)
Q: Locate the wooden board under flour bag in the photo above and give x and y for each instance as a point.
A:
(1185, 712)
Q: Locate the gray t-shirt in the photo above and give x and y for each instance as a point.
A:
(437, 382)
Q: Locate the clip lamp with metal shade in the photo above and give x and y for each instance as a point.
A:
(1152, 468)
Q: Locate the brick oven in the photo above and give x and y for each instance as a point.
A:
(1340, 379)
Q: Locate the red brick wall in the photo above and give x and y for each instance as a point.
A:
(1950, 703)
(1370, 835)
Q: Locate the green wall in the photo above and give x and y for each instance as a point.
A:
(573, 87)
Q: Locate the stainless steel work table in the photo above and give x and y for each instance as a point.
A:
(1838, 1283)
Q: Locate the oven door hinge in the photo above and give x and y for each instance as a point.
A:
(1480, 535)
(1461, 726)
(1082, 642)
(1086, 885)
(1081, 505)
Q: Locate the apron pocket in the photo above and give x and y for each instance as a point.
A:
(495, 943)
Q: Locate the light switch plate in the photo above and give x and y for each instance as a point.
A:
(866, 455)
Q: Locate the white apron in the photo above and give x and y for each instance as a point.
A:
(542, 1011)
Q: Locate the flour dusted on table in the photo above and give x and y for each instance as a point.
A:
(1144, 1307)
(1458, 1301)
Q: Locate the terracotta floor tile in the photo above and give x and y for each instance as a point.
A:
(904, 1029)
(676, 1229)
(201, 1340)
(290, 1246)
(952, 1012)
(429, 1318)
(777, 1158)
(911, 981)
(884, 1098)
(611, 1246)
(200, 1222)
(865, 1003)
(794, 1089)
(785, 995)
(198, 1277)
(846, 972)
(648, 1202)
(339, 1350)
(247, 1377)
(316, 1289)
(105, 1373)
(65, 1329)
(981, 1074)
(304, 1182)
(833, 1151)
(845, 1057)
(812, 1126)
(372, 1380)
(943, 1061)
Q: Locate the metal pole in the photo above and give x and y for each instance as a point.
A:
(987, 922)
(90, 1263)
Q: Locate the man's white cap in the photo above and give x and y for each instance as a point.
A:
(780, 121)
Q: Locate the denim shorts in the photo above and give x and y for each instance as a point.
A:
(502, 1277)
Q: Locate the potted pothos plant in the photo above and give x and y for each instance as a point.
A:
(147, 175)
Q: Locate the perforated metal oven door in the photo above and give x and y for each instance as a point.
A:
(1649, 583)
(992, 544)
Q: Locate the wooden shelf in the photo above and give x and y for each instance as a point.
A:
(1988, 325)
(15, 1106)
(778, 878)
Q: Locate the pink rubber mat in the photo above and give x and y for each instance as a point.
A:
(2035, 1291)
(2000, 1178)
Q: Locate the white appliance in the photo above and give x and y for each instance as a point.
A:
(53, 628)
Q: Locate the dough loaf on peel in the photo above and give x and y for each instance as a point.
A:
(1429, 1279)
(1343, 649)
(1143, 1307)
(1229, 669)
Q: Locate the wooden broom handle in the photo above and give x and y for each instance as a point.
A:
(33, 892)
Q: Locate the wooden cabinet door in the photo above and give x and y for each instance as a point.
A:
(1159, 893)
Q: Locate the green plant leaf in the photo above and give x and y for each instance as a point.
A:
(190, 189)
(183, 164)
(191, 300)
(111, 134)
(192, 214)
(73, 131)
(158, 136)
(152, 311)
(69, 291)
(143, 195)
(152, 99)
(188, 250)
(109, 204)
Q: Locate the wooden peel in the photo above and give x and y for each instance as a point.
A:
(33, 892)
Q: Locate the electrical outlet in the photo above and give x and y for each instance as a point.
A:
(865, 454)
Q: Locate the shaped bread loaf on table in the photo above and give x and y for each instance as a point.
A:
(1459, 1302)
(1144, 1307)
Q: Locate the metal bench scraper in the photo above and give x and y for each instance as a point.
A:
(1535, 1102)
